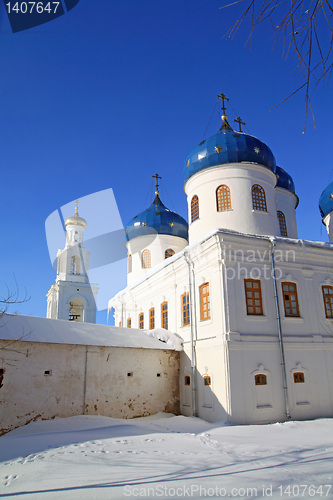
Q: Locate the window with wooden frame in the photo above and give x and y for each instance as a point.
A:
(253, 297)
(328, 300)
(299, 378)
(260, 379)
(289, 292)
(185, 309)
(141, 321)
(164, 315)
(194, 208)
(207, 380)
(129, 322)
(169, 253)
(204, 302)
(146, 259)
(258, 198)
(152, 318)
(223, 199)
(282, 223)
(129, 263)
(187, 380)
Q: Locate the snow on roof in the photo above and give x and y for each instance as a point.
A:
(56, 331)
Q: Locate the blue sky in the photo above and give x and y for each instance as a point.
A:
(113, 92)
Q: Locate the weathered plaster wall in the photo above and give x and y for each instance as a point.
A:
(47, 380)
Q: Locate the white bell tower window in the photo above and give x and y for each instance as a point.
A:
(75, 265)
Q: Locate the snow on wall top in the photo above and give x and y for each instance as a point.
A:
(56, 331)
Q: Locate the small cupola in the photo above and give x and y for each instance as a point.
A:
(153, 235)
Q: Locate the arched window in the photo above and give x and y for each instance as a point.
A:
(194, 208)
(204, 302)
(289, 291)
(146, 259)
(328, 300)
(129, 263)
(169, 253)
(76, 310)
(282, 222)
(223, 200)
(258, 198)
(260, 379)
(75, 265)
(141, 321)
(164, 315)
(152, 318)
(129, 322)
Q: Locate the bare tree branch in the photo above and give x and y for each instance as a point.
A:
(305, 29)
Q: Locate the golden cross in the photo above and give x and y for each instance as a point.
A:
(223, 98)
(156, 176)
(240, 123)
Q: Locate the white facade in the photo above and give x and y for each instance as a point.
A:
(240, 178)
(328, 221)
(231, 347)
(253, 303)
(156, 245)
(286, 202)
(73, 297)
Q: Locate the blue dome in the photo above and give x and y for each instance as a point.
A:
(157, 219)
(228, 146)
(326, 200)
(284, 180)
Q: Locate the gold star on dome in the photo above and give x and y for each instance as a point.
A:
(331, 196)
(188, 163)
(171, 224)
(256, 150)
(217, 149)
(144, 223)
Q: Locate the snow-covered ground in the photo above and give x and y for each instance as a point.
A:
(164, 456)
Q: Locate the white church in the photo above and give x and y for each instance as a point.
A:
(252, 303)
(238, 310)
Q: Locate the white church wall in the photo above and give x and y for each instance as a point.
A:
(239, 177)
(328, 221)
(47, 380)
(156, 244)
(286, 202)
(85, 292)
(250, 341)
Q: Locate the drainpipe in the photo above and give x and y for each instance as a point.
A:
(193, 332)
(85, 381)
(278, 317)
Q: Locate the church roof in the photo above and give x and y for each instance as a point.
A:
(157, 219)
(326, 200)
(228, 146)
(284, 180)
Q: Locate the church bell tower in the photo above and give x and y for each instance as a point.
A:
(72, 297)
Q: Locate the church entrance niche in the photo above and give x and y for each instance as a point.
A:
(76, 310)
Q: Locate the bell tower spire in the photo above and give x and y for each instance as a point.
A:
(72, 297)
